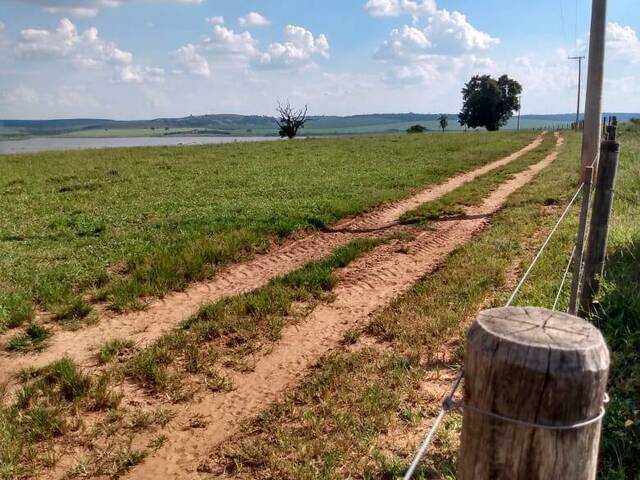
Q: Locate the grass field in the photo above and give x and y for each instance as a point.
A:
(169, 216)
(124, 223)
(351, 416)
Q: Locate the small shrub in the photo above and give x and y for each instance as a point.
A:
(417, 129)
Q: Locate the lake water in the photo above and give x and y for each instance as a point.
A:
(42, 144)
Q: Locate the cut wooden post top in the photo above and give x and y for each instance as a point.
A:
(540, 327)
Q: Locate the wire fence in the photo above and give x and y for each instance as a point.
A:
(449, 402)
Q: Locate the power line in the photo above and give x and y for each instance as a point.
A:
(564, 30)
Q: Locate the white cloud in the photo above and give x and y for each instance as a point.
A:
(2, 26)
(298, 49)
(404, 45)
(450, 30)
(395, 8)
(623, 42)
(194, 63)
(215, 20)
(90, 8)
(85, 49)
(226, 41)
(446, 33)
(253, 19)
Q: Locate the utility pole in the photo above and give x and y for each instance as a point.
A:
(595, 80)
(579, 58)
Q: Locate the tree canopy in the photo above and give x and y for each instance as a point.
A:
(488, 102)
(443, 120)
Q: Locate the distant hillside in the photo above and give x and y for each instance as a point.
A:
(228, 124)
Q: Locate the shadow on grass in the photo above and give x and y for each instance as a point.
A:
(618, 315)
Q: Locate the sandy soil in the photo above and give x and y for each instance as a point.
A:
(366, 285)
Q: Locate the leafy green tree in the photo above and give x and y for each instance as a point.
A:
(417, 129)
(443, 119)
(488, 102)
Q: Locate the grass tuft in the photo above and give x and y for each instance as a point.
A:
(33, 338)
(114, 348)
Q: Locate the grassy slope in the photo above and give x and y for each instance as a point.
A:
(332, 426)
(166, 216)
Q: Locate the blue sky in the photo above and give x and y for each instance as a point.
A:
(151, 58)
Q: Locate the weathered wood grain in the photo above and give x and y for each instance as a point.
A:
(537, 366)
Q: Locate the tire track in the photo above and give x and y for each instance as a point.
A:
(162, 314)
(366, 285)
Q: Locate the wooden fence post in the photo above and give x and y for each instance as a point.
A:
(582, 233)
(599, 226)
(529, 370)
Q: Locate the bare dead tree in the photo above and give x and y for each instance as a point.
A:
(290, 120)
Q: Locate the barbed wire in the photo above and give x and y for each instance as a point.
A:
(448, 403)
(564, 278)
(544, 246)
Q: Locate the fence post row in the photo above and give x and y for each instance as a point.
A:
(599, 225)
(534, 393)
(579, 255)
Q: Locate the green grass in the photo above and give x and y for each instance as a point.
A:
(113, 348)
(472, 193)
(236, 326)
(618, 315)
(333, 426)
(50, 402)
(126, 223)
(33, 338)
(315, 434)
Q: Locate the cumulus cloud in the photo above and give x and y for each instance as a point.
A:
(422, 55)
(453, 30)
(89, 8)
(225, 41)
(395, 8)
(253, 19)
(84, 49)
(404, 45)
(191, 61)
(623, 42)
(446, 33)
(297, 49)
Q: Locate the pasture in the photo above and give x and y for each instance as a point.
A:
(117, 225)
